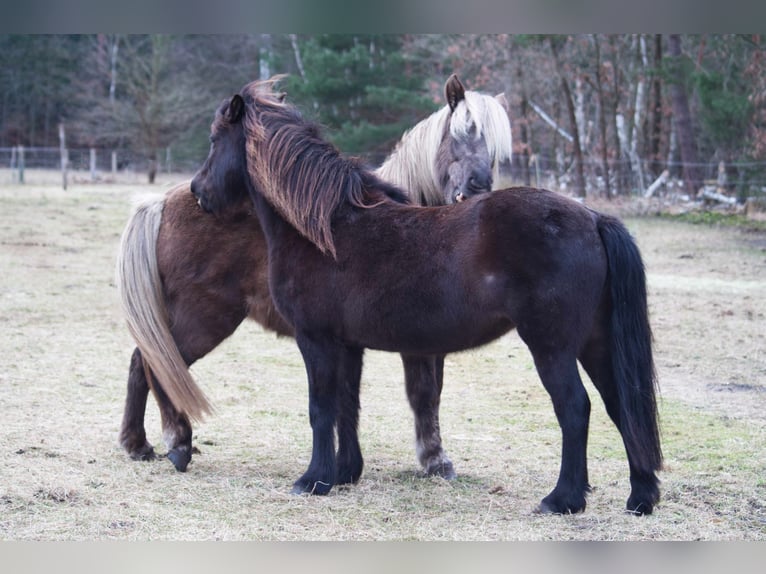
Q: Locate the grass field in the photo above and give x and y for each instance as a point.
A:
(65, 353)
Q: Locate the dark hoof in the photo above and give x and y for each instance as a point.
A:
(180, 457)
(643, 496)
(350, 475)
(145, 453)
(318, 487)
(639, 508)
(550, 507)
(443, 469)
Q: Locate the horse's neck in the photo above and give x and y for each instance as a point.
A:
(275, 228)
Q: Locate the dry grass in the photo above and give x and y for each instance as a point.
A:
(62, 382)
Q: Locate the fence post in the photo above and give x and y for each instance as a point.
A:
(93, 164)
(21, 164)
(114, 163)
(64, 155)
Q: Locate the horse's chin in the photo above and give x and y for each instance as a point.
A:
(203, 205)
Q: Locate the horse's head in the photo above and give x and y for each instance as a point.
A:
(463, 162)
(222, 179)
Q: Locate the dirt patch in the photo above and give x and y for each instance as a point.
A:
(708, 310)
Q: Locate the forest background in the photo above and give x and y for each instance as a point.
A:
(594, 114)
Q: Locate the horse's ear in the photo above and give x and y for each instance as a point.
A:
(454, 91)
(503, 101)
(236, 109)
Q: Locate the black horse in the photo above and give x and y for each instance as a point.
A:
(351, 267)
(183, 294)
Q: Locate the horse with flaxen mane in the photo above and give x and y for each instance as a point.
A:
(183, 293)
(352, 267)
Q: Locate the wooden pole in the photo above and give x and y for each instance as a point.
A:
(64, 155)
(21, 164)
(114, 163)
(93, 164)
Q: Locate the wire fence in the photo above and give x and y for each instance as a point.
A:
(44, 165)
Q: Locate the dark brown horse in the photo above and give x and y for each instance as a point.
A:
(351, 267)
(183, 294)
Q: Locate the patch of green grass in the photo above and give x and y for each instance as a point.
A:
(716, 218)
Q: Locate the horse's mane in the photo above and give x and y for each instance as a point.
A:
(412, 165)
(304, 177)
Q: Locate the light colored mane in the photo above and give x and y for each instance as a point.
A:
(412, 164)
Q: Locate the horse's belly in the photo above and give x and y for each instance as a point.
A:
(426, 333)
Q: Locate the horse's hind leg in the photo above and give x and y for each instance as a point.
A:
(132, 431)
(423, 378)
(645, 490)
(349, 459)
(558, 372)
(176, 431)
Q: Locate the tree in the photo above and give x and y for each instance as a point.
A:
(599, 85)
(556, 43)
(38, 86)
(678, 77)
(361, 87)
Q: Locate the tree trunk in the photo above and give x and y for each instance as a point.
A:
(602, 117)
(656, 129)
(264, 55)
(638, 108)
(579, 186)
(618, 167)
(683, 120)
(297, 55)
(523, 126)
(113, 49)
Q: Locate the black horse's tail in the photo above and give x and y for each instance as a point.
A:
(631, 346)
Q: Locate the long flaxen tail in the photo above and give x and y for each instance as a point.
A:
(631, 346)
(143, 304)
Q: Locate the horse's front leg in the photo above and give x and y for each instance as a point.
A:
(349, 458)
(322, 358)
(423, 378)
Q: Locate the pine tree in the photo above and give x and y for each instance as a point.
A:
(361, 88)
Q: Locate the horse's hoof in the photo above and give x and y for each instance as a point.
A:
(543, 508)
(643, 497)
(443, 469)
(180, 457)
(145, 453)
(638, 508)
(348, 477)
(311, 487)
(548, 507)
